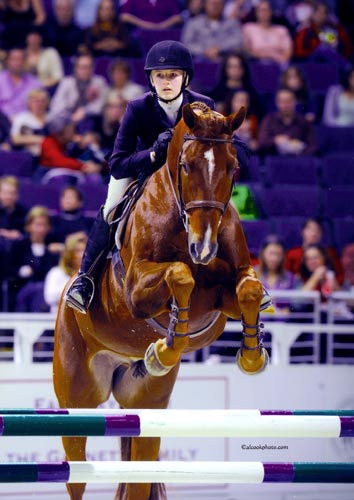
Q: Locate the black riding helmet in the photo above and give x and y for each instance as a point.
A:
(169, 54)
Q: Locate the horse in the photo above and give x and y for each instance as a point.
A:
(186, 270)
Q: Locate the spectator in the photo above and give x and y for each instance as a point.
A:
(85, 12)
(286, 131)
(109, 36)
(18, 17)
(69, 264)
(339, 103)
(238, 9)
(5, 127)
(30, 258)
(317, 274)
(147, 15)
(107, 124)
(45, 63)
(82, 95)
(312, 234)
(234, 75)
(28, 127)
(248, 131)
(323, 39)
(298, 13)
(61, 30)
(271, 269)
(15, 84)
(210, 36)
(121, 83)
(70, 218)
(55, 151)
(316, 271)
(192, 8)
(264, 40)
(12, 213)
(347, 260)
(294, 79)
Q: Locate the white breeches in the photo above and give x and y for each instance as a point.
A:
(116, 189)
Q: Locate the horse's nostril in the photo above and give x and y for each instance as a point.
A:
(202, 254)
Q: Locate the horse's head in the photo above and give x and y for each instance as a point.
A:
(203, 151)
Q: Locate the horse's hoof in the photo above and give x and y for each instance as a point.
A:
(250, 366)
(153, 364)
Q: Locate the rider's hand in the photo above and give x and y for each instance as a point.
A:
(160, 147)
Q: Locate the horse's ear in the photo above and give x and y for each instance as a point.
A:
(189, 116)
(235, 120)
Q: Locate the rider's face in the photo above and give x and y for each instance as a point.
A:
(167, 82)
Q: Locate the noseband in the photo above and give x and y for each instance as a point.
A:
(183, 207)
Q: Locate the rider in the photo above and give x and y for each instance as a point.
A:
(140, 149)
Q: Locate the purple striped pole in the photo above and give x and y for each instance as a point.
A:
(118, 411)
(178, 423)
(178, 472)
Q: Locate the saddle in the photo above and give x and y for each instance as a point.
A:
(118, 215)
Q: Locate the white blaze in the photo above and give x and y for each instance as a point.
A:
(206, 243)
(209, 155)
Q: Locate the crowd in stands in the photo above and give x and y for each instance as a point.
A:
(68, 70)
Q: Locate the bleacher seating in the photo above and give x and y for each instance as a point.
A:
(338, 169)
(94, 196)
(47, 194)
(290, 200)
(338, 202)
(343, 230)
(291, 170)
(17, 163)
(255, 232)
(148, 38)
(334, 139)
(32, 193)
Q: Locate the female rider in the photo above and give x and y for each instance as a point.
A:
(140, 149)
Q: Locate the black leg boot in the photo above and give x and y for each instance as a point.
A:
(81, 291)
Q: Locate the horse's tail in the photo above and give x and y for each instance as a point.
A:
(158, 491)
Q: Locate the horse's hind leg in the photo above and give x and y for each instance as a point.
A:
(75, 450)
(252, 357)
(74, 384)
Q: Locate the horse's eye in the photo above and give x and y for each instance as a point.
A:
(185, 167)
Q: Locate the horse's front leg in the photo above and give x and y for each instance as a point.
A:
(152, 289)
(252, 357)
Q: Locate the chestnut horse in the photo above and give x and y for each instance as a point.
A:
(187, 270)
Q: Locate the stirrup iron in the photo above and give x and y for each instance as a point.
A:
(73, 302)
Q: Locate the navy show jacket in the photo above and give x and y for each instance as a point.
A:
(143, 121)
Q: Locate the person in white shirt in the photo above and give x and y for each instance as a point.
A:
(28, 127)
(69, 263)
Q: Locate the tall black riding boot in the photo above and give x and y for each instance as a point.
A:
(81, 291)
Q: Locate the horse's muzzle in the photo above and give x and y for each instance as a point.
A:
(203, 253)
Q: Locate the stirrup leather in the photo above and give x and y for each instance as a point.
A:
(73, 302)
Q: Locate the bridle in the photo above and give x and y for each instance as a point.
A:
(183, 207)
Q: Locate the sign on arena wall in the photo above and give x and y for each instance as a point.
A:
(199, 386)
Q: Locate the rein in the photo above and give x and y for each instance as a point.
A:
(183, 207)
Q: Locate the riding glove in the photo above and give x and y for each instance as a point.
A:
(160, 147)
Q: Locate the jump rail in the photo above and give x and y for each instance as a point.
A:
(178, 472)
(179, 423)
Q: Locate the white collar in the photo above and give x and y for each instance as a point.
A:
(172, 108)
